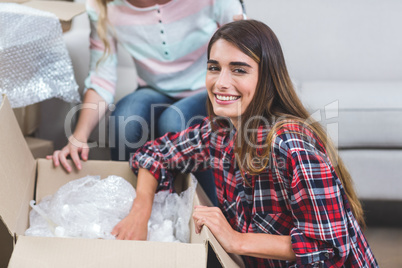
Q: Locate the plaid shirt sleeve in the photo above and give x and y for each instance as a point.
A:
(184, 152)
(320, 234)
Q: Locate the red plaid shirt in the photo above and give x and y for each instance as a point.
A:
(298, 193)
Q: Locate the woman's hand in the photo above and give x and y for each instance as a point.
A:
(258, 245)
(135, 225)
(219, 226)
(92, 109)
(74, 148)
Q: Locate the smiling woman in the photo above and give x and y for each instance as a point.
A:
(285, 198)
(231, 80)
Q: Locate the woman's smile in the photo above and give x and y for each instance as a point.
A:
(226, 99)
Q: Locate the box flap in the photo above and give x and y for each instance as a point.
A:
(64, 10)
(67, 252)
(225, 259)
(17, 172)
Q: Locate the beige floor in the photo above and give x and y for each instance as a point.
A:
(386, 244)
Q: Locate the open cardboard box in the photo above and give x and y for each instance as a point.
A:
(64, 10)
(22, 178)
(28, 118)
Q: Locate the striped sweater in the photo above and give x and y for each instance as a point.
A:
(167, 42)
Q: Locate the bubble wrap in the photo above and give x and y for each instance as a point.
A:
(34, 62)
(88, 207)
(170, 217)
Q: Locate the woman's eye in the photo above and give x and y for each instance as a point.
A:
(240, 70)
(213, 68)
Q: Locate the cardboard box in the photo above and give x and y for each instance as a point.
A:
(28, 118)
(23, 178)
(39, 148)
(64, 10)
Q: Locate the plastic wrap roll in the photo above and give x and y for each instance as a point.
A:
(34, 62)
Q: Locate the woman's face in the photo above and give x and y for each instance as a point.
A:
(231, 80)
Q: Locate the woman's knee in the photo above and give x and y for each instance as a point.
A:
(130, 119)
(183, 114)
(123, 106)
(137, 100)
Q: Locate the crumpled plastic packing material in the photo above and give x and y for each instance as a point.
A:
(170, 217)
(90, 208)
(34, 61)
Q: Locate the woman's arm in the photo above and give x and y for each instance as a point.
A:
(319, 212)
(100, 88)
(135, 225)
(184, 152)
(93, 108)
(148, 162)
(92, 111)
(266, 246)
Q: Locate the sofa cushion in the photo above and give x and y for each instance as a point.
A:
(357, 114)
(374, 172)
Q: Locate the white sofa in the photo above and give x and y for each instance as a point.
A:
(346, 60)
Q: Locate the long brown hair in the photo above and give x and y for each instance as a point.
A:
(275, 101)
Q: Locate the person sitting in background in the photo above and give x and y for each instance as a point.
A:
(285, 197)
(167, 40)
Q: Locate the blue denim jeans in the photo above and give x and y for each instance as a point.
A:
(147, 114)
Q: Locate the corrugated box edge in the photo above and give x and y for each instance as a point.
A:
(77, 252)
(17, 177)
